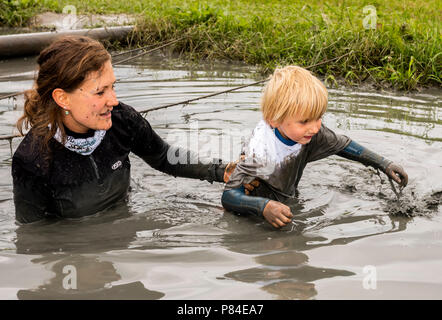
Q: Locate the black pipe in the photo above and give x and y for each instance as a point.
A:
(28, 44)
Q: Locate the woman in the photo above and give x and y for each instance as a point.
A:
(74, 161)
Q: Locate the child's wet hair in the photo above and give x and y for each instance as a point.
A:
(293, 91)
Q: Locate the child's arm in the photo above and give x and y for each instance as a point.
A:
(355, 151)
(276, 213)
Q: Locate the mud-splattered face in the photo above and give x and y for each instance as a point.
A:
(298, 129)
(91, 104)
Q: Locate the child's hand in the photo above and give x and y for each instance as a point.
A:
(277, 214)
(397, 173)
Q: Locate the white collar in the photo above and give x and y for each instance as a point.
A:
(83, 146)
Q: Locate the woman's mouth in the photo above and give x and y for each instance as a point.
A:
(106, 114)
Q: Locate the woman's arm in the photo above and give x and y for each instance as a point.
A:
(156, 152)
(180, 162)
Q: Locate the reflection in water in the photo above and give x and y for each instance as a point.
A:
(286, 275)
(57, 242)
(291, 290)
(84, 277)
(284, 271)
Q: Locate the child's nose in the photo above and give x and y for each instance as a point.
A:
(316, 126)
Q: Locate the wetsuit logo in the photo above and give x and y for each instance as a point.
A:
(116, 165)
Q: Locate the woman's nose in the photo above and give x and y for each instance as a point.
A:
(112, 98)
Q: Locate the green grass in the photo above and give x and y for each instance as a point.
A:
(16, 13)
(402, 52)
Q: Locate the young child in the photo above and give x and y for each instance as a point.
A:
(291, 135)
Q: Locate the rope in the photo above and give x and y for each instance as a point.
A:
(149, 51)
(11, 95)
(130, 51)
(203, 97)
(234, 89)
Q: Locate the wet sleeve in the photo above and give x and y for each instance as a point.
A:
(179, 162)
(31, 195)
(247, 170)
(356, 152)
(326, 143)
(237, 201)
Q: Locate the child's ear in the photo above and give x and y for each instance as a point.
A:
(272, 123)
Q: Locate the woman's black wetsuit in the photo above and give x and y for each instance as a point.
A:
(68, 184)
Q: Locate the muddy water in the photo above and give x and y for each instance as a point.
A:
(352, 239)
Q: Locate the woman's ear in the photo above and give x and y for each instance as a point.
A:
(61, 98)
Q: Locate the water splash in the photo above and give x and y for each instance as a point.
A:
(410, 204)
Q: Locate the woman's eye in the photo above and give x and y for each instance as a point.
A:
(102, 92)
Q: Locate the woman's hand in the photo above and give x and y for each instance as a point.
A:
(397, 173)
(277, 214)
(229, 170)
(231, 167)
(250, 186)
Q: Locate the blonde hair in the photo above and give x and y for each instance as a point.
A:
(293, 91)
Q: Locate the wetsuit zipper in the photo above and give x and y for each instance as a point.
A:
(94, 165)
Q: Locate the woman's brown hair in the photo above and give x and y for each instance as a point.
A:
(64, 64)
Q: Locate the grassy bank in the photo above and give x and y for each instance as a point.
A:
(403, 51)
